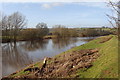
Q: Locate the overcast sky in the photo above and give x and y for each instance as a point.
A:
(83, 14)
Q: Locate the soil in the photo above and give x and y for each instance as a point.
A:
(105, 39)
(63, 66)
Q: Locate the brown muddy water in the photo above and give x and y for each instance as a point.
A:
(19, 55)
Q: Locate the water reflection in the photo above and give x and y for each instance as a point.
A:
(17, 56)
(87, 38)
(35, 45)
(13, 58)
(63, 42)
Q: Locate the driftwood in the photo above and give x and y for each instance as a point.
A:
(40, 71)
(32, 69)
(44, 64)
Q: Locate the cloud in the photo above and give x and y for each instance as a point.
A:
(46, 6)
(94, 4)
(50, 5)
(89, 4)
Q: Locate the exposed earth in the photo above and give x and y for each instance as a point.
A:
(64, 66)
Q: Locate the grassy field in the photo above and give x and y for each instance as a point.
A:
(106, 66)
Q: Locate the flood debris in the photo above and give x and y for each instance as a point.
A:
(64, 65)
(40, 71)
(32, 69)
(105, 39)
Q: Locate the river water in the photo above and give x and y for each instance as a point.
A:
(17, 56)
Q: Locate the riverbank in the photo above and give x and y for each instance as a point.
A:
(95, 59)
(6, 39)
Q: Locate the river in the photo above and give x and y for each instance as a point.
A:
(17, 56)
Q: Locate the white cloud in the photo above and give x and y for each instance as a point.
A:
(46, 6)
(95, 4)
(50, 5)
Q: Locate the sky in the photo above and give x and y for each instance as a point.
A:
(70, 14)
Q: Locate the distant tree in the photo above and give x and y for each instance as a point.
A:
(63, 31)
(73, 32)
(29, 34)
(11, 25)
(60, 31)
(16, 22)
(4, 25)
(42, 30)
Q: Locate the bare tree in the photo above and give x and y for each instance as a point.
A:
(3, 24)
(42, 30)
(116, 20)
(119, 19)
(16, 22)
(62, 31)
(4, 28)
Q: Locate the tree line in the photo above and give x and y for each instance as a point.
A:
(62, 31)
(92, 32)
(13, 28)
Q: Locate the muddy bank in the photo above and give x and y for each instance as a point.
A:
(65, 65)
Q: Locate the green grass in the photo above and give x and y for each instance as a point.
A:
(106, 66)
(20, 73)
